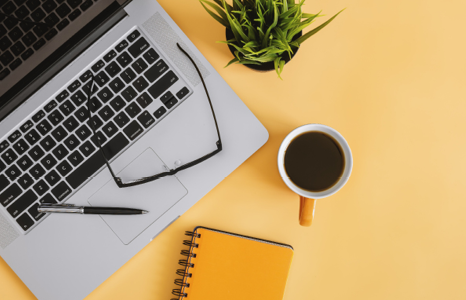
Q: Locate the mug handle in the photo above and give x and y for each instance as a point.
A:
(307, 208)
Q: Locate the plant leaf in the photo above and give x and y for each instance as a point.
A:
(232, 61)
(216, 17)
(317, 29)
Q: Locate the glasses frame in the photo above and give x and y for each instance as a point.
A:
(143, 180)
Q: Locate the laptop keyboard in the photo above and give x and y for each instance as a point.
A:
(49, 156)
(19, 40)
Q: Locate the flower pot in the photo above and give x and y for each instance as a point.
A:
(268, 66)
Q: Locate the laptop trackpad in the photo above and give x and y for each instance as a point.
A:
(156, 197)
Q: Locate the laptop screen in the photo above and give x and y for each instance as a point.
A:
(40, 38)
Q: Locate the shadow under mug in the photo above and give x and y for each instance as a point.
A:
(308, 198)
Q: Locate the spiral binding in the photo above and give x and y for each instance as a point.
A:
(186, 263)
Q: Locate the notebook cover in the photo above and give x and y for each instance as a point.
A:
(228, 266)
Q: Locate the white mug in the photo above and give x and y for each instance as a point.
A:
(308, 198)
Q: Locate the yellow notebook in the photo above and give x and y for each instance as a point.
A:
(228, 266)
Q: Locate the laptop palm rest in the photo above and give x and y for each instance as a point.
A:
(156, 197)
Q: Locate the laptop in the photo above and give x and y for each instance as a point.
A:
(150, 111)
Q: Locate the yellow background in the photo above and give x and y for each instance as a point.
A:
(390, 77)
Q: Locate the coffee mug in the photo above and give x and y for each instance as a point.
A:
(308, 197)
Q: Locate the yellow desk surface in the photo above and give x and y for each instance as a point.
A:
(390, 77)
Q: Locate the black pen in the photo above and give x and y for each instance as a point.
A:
(90, 210)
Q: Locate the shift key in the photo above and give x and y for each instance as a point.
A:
(162, 84)
(10, 194)
(22, 203)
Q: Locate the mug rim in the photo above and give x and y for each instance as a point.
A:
(343, 144)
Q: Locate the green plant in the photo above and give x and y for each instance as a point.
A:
(263, 29)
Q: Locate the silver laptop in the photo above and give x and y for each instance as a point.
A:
(151, 113)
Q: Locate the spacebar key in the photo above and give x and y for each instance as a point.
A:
(95, 162)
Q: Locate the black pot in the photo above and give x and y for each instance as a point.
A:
(268, 66)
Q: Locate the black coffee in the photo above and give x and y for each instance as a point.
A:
(314, 161)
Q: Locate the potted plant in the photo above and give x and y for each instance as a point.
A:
(263, 34)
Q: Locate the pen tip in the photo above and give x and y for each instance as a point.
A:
(145, 212)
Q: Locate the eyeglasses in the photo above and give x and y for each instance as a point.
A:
(143, 180)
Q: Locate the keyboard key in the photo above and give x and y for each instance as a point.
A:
(97, 66)
(86, 5)
(128, 75)
(2, 166)
(3, 30)
(13, 172)
(47, 143)
(139, 65)
(21, 13)
(146, 119)
(156, 71)
(98, 138)
(37, 171)
(75, 158)
(4, 182)
(26, 26)
(48, 162)
(51, 20)
(14, 65)
(35, 213)
(39, 44)
(48, 199)
(25, 181)
(63, 24)
(133, 130)
(110, 55)
(5, 43)
(36, 153)
(87, 148)
(95, 161)
(71, 124)
(40, 30)
(32, 4)
(159, 112)
(133, 36)
(110, 129)
(74, 86)
(74, 15)
(74, 3)
(64, 168)
(67, 108)
(61, 191)
(121, 119)
(85, 76)
(50, 106)
(129, 94)
(182, 93)
(29, 39)
(24, 162)
(4, 73)
(52, 178)
(140, 84)
(22, 203)
(170, 103)
(87, 87)
(162, 84)
(25, 221)
(55, 117)
(81, 114)
(72, 142)
(138, 47)
(38, 15)
(133, 110)
(60, 152)
(96, 121)
(49, 6)
(144, 100)
(101, 79)
(15, 34)
(62, 96)
(21, 146)
(44, 127)
(95, 104)
(105, 95)
(116, 85)
(59, 133)
(117, 103)
(14, 136)
(10, 23)
(167, 96)
(9, 156)
(41, 187)
(10, 194)
(17, 48)
(124, 59)
(112, 69)
(106, 113)
(50, 34)
(32, 137)
(121, 46)
(6, 58)
(3, 146)
(78, 98)
(9, 8)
